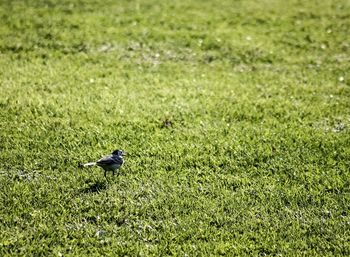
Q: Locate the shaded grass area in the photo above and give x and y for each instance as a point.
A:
(235, 116)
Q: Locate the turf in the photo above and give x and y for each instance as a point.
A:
(235, 116)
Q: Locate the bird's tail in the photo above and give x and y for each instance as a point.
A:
(89, 164)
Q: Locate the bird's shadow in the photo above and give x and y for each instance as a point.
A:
(95, 187)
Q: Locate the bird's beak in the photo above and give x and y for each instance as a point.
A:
(124, 154)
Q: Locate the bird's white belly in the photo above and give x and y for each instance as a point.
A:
(112, 167)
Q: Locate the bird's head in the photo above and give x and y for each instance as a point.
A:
(119, 152)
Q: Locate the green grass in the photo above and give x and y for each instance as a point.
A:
(235, 115)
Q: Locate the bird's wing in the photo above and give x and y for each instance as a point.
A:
(106, 161)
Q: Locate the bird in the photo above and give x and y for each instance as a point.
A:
(109, 163)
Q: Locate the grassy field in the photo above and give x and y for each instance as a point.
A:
(235, 116)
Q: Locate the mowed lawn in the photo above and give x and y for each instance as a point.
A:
(235, 116)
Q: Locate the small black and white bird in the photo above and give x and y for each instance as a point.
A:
(109, 163)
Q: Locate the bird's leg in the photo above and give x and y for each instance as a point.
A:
(113, 173)
(105, 173)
